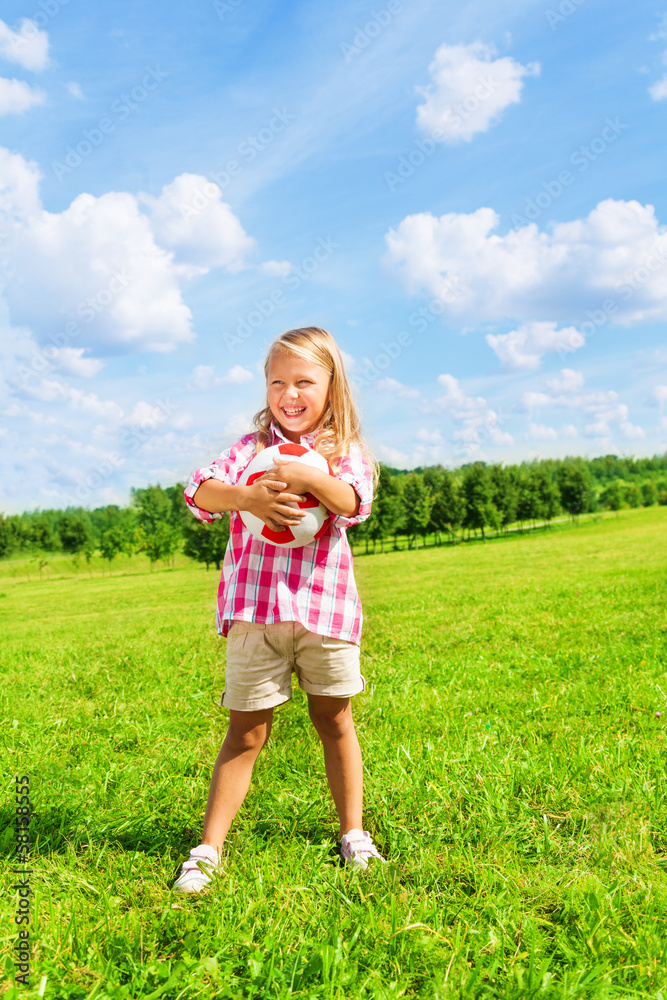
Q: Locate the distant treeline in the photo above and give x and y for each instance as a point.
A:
(431, 501)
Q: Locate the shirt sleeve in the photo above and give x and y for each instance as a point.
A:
(227, 468)
(355, 470)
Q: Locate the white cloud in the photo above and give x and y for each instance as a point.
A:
(534, 400)
(182, 422)
(569, 381)
(390, 385)
(203, 378)
(661, 31)
(97, 264)
(27, 46)
(237, 425)
(89, 402)
(100, 265)
(633, 432)
(658, 90)
(51, 390)
(46, 390)
(349, 362)
(541, 432)
(478, 423)
(609, 266)
(469, 90)
(525, 347)
(16, 96)
(72, 361)
(75, 90)
(236, 376)
(146, 415)
(19, 187)
(392, 456)
(660, 395)
(276, 268)
(602, 410)
(430, 436)
(190, 218)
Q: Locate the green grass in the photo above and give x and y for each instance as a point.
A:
(515, 777)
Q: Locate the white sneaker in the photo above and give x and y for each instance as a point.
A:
(197, 872)
(356, 847)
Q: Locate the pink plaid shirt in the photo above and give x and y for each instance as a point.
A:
(313, 585)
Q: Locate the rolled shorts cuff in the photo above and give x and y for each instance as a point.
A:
(258, 705)
(334, 690)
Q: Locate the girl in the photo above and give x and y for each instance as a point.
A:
(289, 609)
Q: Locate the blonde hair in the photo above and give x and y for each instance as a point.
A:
(340, 425)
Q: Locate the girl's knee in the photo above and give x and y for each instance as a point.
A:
(331, 719)
(242, 737)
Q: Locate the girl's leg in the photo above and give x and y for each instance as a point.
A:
(246, 735)
(332, 718)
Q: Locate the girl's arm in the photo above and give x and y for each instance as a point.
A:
(265, 499)
(337, 496)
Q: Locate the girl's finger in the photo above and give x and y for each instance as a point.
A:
(291, 498)
(290, 512)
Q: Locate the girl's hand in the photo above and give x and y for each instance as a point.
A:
(297, 475)
(268, 499)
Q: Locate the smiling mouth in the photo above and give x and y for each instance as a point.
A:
(293, 411)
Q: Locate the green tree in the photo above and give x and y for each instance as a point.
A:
(432, 476)
(548, 494)
(649, 493)
(40, 532)
(387, 513)
(612, 496)
(480, 511)
(529, 507)
(74, 530)
(574, 483)
(205, 542)
(112, 543)
(417, 504)
(505, 493)
(180, 516)
(448, 507)
(159, 538)
(632, 495)
(9, 538)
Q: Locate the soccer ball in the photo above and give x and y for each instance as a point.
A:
(313, 525)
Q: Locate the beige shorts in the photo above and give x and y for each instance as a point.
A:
(261, 658)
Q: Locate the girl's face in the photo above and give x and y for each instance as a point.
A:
(297, 393)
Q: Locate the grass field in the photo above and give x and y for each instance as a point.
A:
(513, 731)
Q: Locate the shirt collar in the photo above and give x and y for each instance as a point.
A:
(307, 440)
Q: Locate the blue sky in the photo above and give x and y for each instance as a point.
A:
(467, 196)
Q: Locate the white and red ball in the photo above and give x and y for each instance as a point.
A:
(313, 525)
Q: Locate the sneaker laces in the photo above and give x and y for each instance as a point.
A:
(359, 842)
(198, 854)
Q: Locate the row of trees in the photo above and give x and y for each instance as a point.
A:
(435, 502)
(156, 523)
(480, 497)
